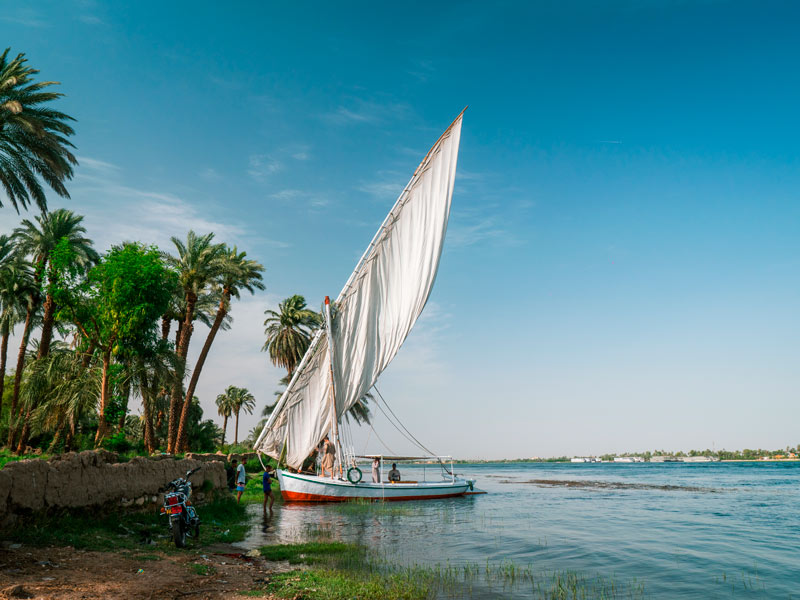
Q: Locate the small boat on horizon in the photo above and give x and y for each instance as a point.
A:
(363, 331)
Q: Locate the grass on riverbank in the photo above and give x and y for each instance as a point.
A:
(338, 571)
(221, 521)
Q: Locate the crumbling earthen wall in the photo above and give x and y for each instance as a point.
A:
(85, 479)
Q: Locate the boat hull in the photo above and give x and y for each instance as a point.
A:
(296, 487)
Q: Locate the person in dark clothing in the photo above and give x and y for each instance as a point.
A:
(230, 474)
(266, 485)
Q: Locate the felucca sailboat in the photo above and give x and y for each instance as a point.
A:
(364, 329)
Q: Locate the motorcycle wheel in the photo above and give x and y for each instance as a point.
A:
(197, 531)
(178, 533)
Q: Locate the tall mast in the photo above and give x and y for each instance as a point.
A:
(334, 418)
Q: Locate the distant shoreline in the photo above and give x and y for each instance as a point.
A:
(567, 461)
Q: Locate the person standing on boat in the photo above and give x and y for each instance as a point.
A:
(394, 474)
(376, 470)
(328, 456)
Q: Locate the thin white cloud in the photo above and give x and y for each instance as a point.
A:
(26, 17)
(422, 70)
(262, 165)
(115, 212)
(91, 20)
(464, 175)
(362, 111)
(389, 186)
(470, 231)
(311, 199)
(210, 174)
(94, 164)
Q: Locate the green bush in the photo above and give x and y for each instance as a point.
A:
(253, 466)
(117, 443)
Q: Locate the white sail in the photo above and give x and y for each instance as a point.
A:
(375, 311)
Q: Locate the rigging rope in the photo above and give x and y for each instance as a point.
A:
(364, 451)
(388, 418)
(381, 441)
(411, 438)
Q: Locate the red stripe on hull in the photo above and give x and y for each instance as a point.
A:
(302, 497)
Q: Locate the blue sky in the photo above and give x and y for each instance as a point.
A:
(621, 268)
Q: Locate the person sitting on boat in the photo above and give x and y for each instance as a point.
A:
(394, 474)
(376, 470)
(328, 456)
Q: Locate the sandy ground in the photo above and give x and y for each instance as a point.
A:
(70, 574)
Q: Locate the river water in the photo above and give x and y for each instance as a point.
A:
(707, 530)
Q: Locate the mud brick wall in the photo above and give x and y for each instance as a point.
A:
(87, 479)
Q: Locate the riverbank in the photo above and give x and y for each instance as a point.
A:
(89, 556)
(103, 554)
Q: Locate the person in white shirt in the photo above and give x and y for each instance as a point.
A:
(241, 478)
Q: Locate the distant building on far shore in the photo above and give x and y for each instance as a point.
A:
(628, 459)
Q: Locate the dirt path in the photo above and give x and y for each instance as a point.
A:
(65, 573)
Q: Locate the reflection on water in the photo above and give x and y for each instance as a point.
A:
(625, 522)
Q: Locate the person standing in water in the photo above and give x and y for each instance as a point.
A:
(266, 485)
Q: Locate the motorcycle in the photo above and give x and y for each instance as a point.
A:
(183, 518)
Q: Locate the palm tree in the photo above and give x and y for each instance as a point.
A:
(7, 305)
(198, 264)
(60, 231)
(224, 409)
(360, 410)
(241, 399)
(289, 332)
(58, 392)
(16, 279)
(147, 373)
(236, 273)
(33, 141)
(27, 294)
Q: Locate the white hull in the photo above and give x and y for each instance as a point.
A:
(296, 487)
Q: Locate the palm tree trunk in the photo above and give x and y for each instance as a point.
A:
(3, 354)
(102, 425)
(175, 406)
(23, 436)
(47, 326)
(56, 439)
(182, 430)
(236, 435)
(12, 428)
(224, 428)
(166, 323)
(126, 393)
(70, 433)
(147, 411)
